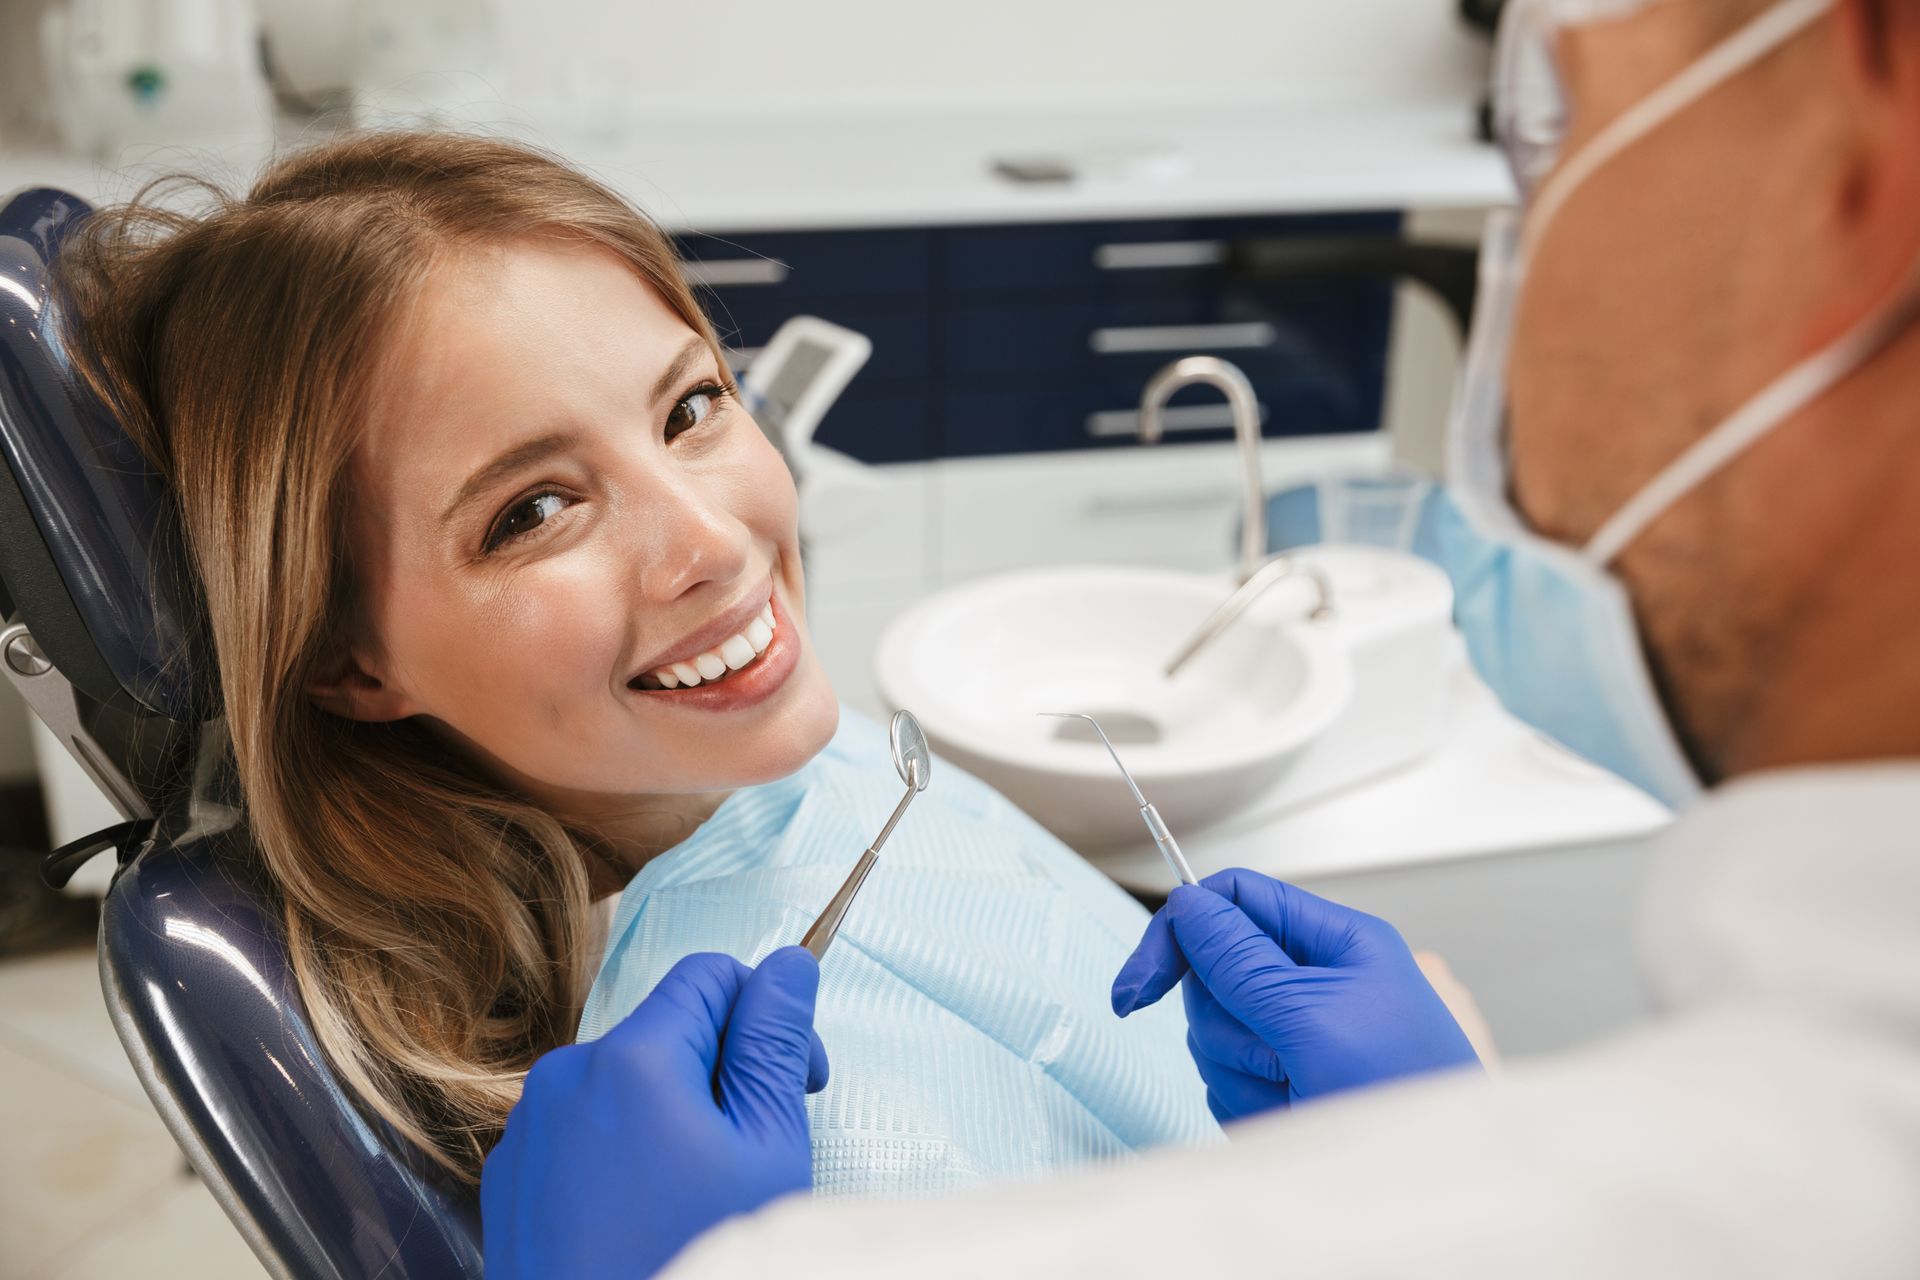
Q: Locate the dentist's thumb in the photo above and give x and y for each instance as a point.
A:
(772, 1057)
(1236, 960)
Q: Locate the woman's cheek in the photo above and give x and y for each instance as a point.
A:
(776, 503)
(570, 626)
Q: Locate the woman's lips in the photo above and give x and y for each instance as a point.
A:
(751, 684)
(705, 640)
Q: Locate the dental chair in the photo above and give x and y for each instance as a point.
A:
(102, 633)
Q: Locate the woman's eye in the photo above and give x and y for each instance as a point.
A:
(525, 517)
(694, 408)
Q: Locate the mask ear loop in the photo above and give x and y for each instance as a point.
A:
(1785, 397)
(1792, 391)
(1718, 65)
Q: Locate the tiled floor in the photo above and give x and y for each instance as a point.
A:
(91, 1185)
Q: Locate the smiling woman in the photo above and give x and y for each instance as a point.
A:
(458, 463)
(506, 591)
(555, 496)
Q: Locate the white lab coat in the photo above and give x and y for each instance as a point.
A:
(1766, 1124)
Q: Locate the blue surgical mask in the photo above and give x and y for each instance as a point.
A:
(1550, 627)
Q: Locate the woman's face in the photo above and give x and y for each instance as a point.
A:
(556, 512)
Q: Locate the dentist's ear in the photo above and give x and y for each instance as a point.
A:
(1878, 77)
(1875, 31)
(1874, 80)
(344, 685)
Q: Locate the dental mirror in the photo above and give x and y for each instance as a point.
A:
(913, 761)
(912, 758)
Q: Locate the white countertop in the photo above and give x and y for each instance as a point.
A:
(825, 168)
(1494, 786)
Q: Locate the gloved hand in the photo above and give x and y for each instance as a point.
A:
(1288, 996)
(622, 1150)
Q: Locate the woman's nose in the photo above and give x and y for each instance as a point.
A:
(687, 537)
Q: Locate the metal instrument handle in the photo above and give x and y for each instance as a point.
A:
(821, 934)
(824, 929)
(1168, 846)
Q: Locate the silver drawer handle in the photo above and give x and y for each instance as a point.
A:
(730, 273)
(1183, 337)
(1107, 505)
(1160, 255)
(1191, 417)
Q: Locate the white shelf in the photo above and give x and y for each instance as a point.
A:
(927, 167)
(1493, 787)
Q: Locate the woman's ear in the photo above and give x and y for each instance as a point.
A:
(345, 687)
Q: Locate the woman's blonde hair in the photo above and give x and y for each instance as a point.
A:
(436, 922)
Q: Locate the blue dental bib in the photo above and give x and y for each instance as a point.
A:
(964, 1002)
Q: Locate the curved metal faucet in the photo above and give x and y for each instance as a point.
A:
(1270, 574)
(1229, 381)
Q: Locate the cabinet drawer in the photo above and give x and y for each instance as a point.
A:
(1079, 339)
(901, 331)
(801, 264)
(985, 421)
(1122, 256)
(881, 425)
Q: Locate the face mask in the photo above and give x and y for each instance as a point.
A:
(1550, 627)
(964, 1001)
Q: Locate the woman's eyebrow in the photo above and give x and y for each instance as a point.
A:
(535, 450)
(540, 448)
(681, 366)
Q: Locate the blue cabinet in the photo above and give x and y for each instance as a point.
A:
(1017, 339)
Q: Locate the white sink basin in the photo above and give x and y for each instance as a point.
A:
(978, 663)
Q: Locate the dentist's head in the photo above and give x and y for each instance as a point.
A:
(1712, 407)
(503, 582)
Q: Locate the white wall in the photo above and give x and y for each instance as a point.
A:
(23, 83)
(728, 58)
(703, 58)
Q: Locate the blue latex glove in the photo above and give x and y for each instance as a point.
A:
(622, 1150)
(1288, 996)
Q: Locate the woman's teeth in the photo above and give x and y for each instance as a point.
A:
(733, 653)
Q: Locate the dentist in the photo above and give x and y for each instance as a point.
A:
(1685, 536)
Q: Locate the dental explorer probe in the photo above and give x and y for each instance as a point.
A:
(913, 761)
(1156, 827)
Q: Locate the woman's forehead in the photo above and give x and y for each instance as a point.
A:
(534, 326)
(505, 343)
(535, 302)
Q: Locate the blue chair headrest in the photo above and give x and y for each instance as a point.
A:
(89, 547)
(195, 967)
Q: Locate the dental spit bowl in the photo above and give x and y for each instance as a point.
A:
(979, 663)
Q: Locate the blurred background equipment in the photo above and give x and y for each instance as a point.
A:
(123, 73)
(995, 222)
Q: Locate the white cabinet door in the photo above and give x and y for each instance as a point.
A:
(1174, 506)
(867, 525)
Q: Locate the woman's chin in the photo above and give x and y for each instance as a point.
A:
(798, 730)
(699, 755)
(775, 744)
